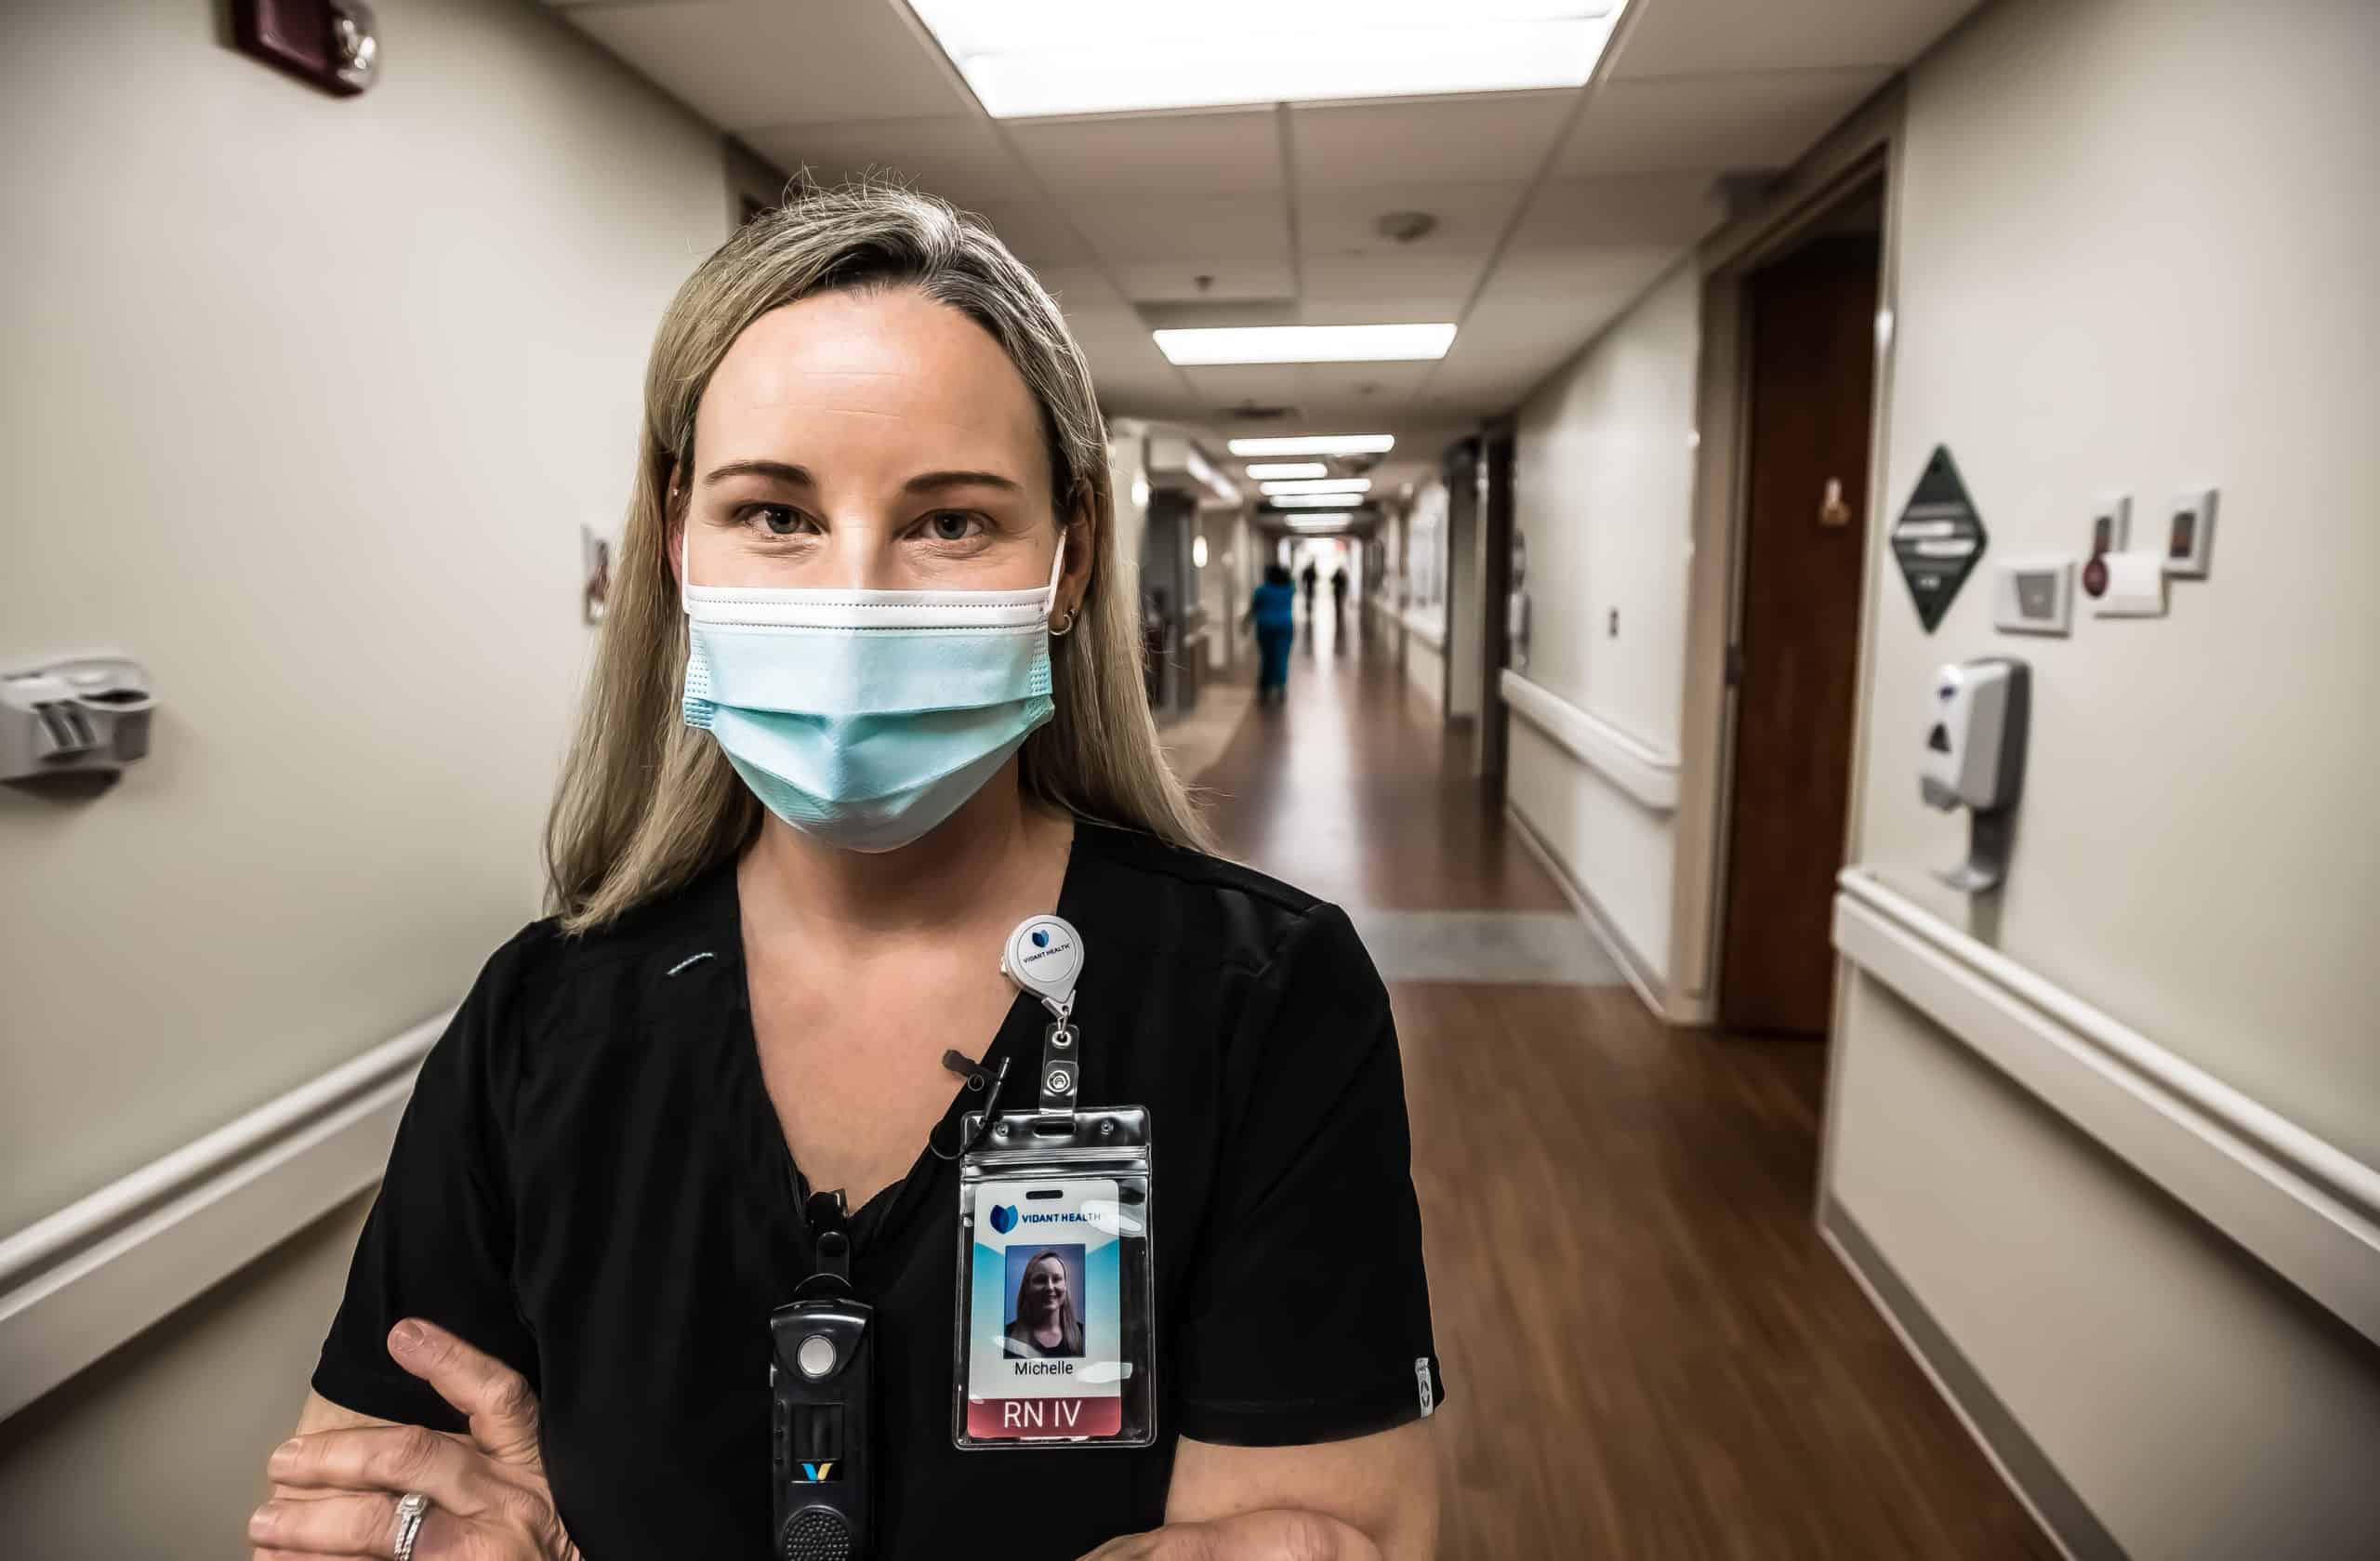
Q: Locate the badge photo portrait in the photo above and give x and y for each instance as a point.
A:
(1044, 1314)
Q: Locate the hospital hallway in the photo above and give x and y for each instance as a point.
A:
(1648, 1350)
(1822, 556)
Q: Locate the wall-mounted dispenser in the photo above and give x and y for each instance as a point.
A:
(1975, 759)
(82, 715)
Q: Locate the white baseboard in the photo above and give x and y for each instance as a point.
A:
(87, 1279)
(2306, 1209)
(1635, 966)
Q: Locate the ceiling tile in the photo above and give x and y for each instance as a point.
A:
(957, 157)
(1696, 37)
(1037, 232)
(1559, 286)
(1338, 219)
(1247, 227)
(1621, 210)
(1185, 153)
(1266, 384)
(1322, 386)
(1710, 123)
(1081, 286)
(1446, 280)
(1399, 308)
(1499, 138)
(1226, 281)
(742, 63)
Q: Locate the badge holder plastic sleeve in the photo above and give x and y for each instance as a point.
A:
(1027, 1149)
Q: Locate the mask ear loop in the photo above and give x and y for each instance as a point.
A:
(1057, 567)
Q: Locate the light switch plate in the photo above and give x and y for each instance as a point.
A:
(2111, 524)
(2135, 587)
(2034, 595)
(2189, 534)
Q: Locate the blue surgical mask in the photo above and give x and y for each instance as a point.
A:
(864, 718)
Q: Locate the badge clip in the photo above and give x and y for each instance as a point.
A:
(1044, 957)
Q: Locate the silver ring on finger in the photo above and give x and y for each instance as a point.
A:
(411, 1507)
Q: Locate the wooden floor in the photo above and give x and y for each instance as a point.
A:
(1649, 1352)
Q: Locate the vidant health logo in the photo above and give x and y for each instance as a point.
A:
(1003, 1218)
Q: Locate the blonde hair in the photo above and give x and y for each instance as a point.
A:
(647, 803)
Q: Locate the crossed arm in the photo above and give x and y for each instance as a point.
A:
(336, 1483)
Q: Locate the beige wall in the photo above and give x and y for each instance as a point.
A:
(1603, 486)
(159, 1450)
(2135, 255)
(2134, 244)
(306, 399)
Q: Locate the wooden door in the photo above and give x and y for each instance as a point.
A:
(1805, 521)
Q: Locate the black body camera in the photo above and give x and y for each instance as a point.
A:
(822, 1376)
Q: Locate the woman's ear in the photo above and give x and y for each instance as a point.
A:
(1081, 539)
(673, 528)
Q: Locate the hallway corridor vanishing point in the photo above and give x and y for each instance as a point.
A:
(1650, 1353)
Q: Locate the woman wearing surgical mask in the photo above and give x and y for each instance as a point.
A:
(868, 696)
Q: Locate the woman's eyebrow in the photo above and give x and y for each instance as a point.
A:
(783, 472)
(927, 481)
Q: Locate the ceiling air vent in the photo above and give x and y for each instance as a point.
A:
(1255, 412)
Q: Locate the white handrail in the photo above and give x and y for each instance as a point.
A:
(33, 1247)
(1636, 766)
(2318, 1161)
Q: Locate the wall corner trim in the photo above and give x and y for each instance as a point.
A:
(88, 1279)
(1644, 772)
(2303, 1207)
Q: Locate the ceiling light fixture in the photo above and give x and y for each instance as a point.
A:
(1027, 58)
(1316, 444)
(1316, 501)
(1316, 523)
(1264, 471)
(1322, 485)
(1304, 344)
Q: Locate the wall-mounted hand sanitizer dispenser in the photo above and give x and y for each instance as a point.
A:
(83, 715)
(1975, 759)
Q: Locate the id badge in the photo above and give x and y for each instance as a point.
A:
(1057, 1289)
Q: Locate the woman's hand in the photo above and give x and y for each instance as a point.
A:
(488, 1492)
(1281, 1535)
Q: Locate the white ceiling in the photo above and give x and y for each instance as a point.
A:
(1556, 209)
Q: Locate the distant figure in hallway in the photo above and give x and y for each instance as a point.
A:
(1272, 612)
(1339, 594)
(1306, 578)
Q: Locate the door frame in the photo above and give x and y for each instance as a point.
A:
(1499, 441)
(1845, 168)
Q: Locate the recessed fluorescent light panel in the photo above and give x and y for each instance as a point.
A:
(1264, 472)
(1028, 58)
(1317, 444)
(1317, 523)
(1323, 485)
(1315, 501)
(1304, 344)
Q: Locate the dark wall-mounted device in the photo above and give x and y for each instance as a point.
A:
(333, 44)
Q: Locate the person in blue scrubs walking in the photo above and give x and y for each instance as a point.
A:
(1273, 612)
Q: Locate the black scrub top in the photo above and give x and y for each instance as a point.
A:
(591, 1183)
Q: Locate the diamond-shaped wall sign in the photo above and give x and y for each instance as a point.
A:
(1938, 539)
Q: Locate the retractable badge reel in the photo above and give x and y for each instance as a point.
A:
(1056, 1290)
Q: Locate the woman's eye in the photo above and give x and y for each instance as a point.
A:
(952, 525)
(778, 520)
